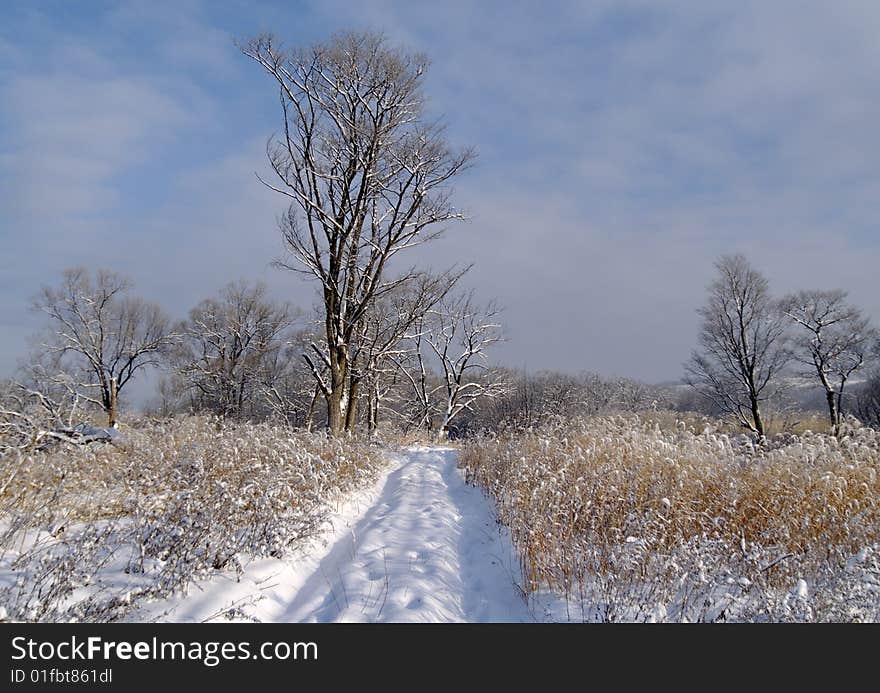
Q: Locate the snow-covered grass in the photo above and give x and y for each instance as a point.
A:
(624, 519)
(87, 533)
(614, 519)
(419, 546)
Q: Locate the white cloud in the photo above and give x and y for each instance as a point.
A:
(75, 135)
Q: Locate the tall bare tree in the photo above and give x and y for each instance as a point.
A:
(367, 175)
(742, 343)
(833, 342)
(99, 336)
(227, 343)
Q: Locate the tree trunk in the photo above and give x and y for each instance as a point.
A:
(338, 376)
(373, 409)
(833, 411)
(833, 402)
(351, 409)
(839, 406)
(757, 419)
(111, 408)
(334, 411)
(313, 405)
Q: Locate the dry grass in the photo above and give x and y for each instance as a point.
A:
(777, 423)
(179, 498)
(157, 459)
(645, 504)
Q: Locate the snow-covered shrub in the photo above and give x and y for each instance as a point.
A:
(87, 532)
(633, 521)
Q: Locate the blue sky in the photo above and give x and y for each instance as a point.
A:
(622, 146)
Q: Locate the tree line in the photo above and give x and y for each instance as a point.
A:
(367, 177)
(421, 356)
(751, 342)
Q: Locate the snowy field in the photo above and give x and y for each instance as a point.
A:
(605, 520)
(94, 532)
(419, 546)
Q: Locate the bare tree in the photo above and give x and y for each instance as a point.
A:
(379, 344)
(100, 335)
(227, 344)
(171, 397)
(37, 413)
(867, 405)
(367, 175)
(833, 342)
(458, 333)
(287, 384)
(742, 344)
(29, 417)
(411, 364)
(531, 399)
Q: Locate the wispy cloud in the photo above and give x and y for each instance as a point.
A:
(76, 135)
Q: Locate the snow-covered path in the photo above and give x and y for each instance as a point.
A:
(428, 549)
(422, 546)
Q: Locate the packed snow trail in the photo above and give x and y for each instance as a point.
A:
(428, 549)
(419, 546)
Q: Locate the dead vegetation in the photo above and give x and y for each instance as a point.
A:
(83, 525)
(634, 520)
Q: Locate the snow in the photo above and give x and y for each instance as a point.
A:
(420, 546)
